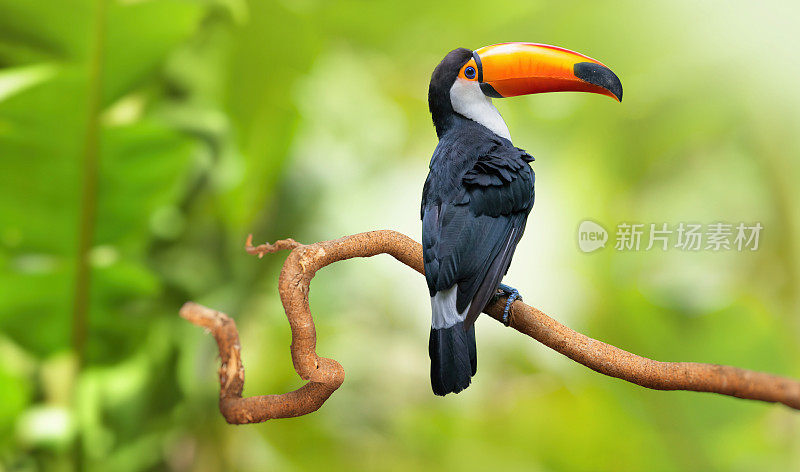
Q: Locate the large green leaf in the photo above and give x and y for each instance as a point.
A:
(43, 137)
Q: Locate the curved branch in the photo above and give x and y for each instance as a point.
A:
(324, 375)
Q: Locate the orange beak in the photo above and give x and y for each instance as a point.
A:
(511, 69)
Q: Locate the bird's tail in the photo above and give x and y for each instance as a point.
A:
(454, 358)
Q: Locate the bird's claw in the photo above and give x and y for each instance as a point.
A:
(511, 295)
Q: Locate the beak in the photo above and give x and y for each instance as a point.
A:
(511, 69)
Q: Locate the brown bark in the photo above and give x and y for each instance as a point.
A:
(324, 375)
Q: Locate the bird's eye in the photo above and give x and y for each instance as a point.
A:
(469, 72)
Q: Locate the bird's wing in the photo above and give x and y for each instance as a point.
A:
(470, 240)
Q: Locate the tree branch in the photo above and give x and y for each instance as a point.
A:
(324, 375)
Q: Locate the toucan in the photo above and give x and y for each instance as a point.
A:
(480, 187)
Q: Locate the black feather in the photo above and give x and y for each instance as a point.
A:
(442, 79)
(454, 358)
(475, 204)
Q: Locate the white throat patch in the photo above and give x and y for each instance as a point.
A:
(468, 99)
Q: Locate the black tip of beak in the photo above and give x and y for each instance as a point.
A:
(598, 75)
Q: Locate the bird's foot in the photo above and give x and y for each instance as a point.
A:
(511, 295)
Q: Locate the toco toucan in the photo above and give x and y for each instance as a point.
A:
(479, 191)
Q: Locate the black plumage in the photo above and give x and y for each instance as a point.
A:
(475, 204)
(453, 358)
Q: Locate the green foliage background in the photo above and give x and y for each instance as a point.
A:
(216, 118)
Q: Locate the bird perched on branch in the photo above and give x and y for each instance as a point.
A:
(479, 191)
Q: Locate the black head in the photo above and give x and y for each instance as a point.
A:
(442, 79)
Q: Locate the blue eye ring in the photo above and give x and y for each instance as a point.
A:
(469, 72)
